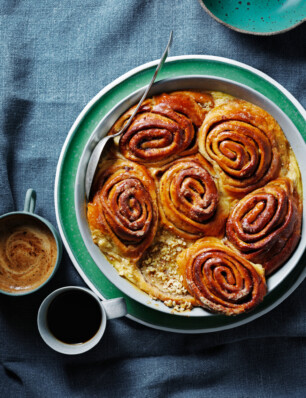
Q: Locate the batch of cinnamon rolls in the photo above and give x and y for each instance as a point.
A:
(198, 202)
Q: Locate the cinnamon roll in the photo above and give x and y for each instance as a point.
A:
(193, 104)
(220, 279)
(124, 207)
(165, 127)
(245, 144)
(265, 226)
(189, 200)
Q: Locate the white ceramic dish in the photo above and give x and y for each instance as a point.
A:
(78, 138)
(183, 83)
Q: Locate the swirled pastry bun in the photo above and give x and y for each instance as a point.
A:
(164, 128)
(265, 226)
(124, 206)
(220, 279)
(189, 201)
(245, 144)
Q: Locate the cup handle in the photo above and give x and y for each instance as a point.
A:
(114, 308)
(30, 201)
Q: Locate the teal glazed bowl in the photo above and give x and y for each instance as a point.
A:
(257, 17)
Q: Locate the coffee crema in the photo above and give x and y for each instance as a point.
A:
(28, 253)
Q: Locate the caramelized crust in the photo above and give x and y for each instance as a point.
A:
(124, 206)
(220, 279)
(188, 199)
(197, 200)
(165, 127)
(265, 225)
(245, 144)
(192, 104)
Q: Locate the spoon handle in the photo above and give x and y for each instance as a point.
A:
(96, 154)
(160, 64)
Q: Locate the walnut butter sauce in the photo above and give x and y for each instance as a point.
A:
(28, 254)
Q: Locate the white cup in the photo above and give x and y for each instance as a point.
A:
(110, 309)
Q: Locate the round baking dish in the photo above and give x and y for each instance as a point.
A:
(77, 139)
(195, 82)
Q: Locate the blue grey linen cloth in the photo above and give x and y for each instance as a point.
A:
(55, 56)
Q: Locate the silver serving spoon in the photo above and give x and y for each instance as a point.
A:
(97, 152)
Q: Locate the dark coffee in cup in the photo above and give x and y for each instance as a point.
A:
(28, 253)
(74, 317)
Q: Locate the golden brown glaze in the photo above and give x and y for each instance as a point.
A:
(197, 200)
(192, 104)
(245, 144)
(220, 279)
(124, 206)
(189, 200)
(265, 226)
(165, 127)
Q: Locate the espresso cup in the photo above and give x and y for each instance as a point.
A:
(72, 319)
(30, 250)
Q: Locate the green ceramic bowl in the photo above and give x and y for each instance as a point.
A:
(257, 17)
